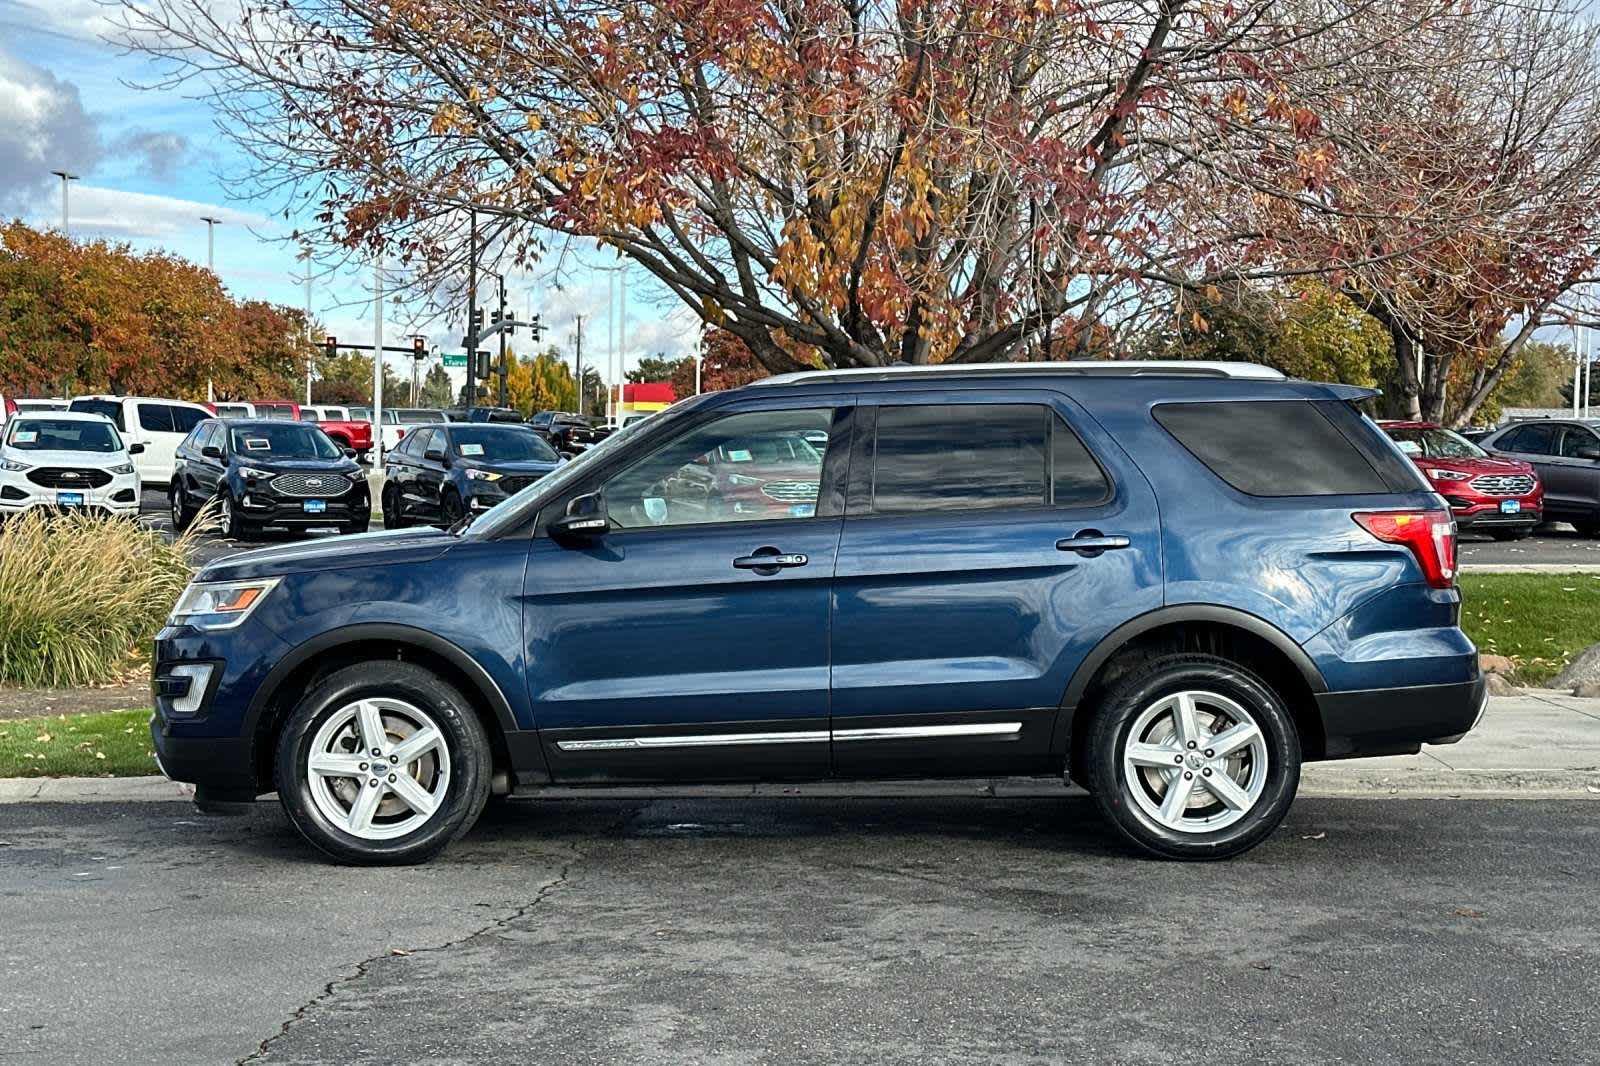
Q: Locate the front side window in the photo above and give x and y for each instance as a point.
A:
(62, 435)
(1530, 440)
(289, 440)
(753, 467)
(967, 457)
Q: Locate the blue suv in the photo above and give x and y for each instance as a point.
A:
(1170, 583)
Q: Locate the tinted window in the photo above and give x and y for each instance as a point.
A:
(1272, 447)
(1578, 439)
(204, 434)
(186, 418)
(1530, 440)
(290, 440)
(310, 414)
(711, 473)
(957, 457)
(421, 440)
(62, 435)
(541, 419)
(157, 418)
(413, 414)
(109, 408)
(500, 444)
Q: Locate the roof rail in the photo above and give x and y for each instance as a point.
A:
(1084, 367)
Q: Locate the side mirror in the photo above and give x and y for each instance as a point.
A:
(136, 449)
(568, 455)
(1589, 453)
(211, 451)
(435, 455)
(586, 517)
(349, 453)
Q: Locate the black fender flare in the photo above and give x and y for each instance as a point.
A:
(361, 632)
(1130, 630)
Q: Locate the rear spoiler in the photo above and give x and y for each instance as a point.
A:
(1352, 393)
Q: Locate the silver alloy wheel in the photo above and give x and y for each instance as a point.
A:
(378, 768)
(1195, 762)
(225, 513)
(177, 508)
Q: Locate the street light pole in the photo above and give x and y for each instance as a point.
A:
(66, 178)
(211, 265)
(377, 362)
(578, 363)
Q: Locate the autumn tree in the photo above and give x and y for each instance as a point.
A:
(436, 388)
(834, 183)
(346, 379)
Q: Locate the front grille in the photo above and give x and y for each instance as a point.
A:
(321, 485)
(1504, 484)
(61, 477)
(791, 491)
(511, 485)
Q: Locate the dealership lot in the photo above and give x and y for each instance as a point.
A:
(802, 930)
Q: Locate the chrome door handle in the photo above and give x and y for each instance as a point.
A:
(770, 561)
(1092, 542)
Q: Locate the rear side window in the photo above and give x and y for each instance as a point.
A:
(156, 417)
(1273, 447)
(963, 457)
(186, 418)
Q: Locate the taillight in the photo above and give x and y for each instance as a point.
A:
(1431, 536)
(9, 410)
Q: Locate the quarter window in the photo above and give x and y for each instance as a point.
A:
(752, 467)
(156, 417)
(1273, 447)
(186, 418)
(1578, 440)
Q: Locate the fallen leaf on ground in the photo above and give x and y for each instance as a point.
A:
(399, 951)
(1315, 836)
(1468, 912)
(1261, 965)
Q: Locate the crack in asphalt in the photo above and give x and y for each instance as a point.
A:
(332, 988)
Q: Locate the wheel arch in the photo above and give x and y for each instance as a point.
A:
(297, 671)
(1246, 638)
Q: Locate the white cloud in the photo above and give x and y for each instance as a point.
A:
(115, 213)
(45, 128)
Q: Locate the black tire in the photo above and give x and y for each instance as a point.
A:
(1587, 529)
(451, 509)
(234, 527)
(178, 505)
(1512, 534)
(1143, 689)
(391, 509)
(467, 788)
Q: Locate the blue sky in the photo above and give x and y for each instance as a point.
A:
(152, 162)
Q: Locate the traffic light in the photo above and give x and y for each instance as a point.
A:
(332, 343)
(477, 321)
(511, 323)
(482, 366)
(534, 328)
(417, 347)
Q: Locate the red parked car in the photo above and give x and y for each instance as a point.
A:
(1501, 497)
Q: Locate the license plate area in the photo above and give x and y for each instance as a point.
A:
(69, 499)
(314, 506)
(1510, 506)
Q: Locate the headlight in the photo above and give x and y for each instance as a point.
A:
(220, 605)
(12, 464)
(1446, 475)
(482, 475)
(250, 471)
(745, 479)
(122, 470)
(358, 476)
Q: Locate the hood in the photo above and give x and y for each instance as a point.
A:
(297, 466)
(384, 547)
(83, 460)
(1489, 465)
(518, 466)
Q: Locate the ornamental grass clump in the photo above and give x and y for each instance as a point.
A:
(81, 597)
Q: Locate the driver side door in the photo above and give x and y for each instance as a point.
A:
(670, 648)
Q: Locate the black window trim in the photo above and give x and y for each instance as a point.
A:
(864, 457)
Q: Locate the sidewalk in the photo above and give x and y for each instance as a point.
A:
(1541, 744)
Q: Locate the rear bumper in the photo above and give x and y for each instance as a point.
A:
(1396, 721)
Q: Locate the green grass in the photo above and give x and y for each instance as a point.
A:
(1539, 620)
(112, 744)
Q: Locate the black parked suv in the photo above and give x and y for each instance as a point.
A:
(440, 474)
(1566, 455)
(268, 473)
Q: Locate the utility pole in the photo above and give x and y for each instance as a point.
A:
(472, 309)
(66, 178)
(377, 362)
(305, 258)
(578, 363)
(622, 337)
(211, 265)
(1577, 369)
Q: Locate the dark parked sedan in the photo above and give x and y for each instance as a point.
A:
(440, 474)
(268, 473)
(1566, 454)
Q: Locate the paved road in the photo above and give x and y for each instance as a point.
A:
(153, 513)
(800, 930)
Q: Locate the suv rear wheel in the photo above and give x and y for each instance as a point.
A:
(1193, 757)
(383, 763)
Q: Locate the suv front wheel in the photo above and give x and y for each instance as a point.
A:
(383, 763)
(1193, 757)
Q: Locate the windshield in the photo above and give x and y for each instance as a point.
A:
(62, 435)
(1436, 444)
(508, 512)
(290, 440)
(504, 444)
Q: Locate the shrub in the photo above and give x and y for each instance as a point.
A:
(80, 596)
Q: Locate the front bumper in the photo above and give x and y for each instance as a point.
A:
(1398, 721)
(1487, 515)
(220, 768)
(120, 497)
(266, 508)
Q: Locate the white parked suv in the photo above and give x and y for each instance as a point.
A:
(158, 424)
(67, 459)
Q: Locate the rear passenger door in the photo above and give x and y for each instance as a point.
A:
(987, 547)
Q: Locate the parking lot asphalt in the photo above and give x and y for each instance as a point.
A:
(803, 930)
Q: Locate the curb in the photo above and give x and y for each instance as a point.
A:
(1326, 780)
(1530, 568)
